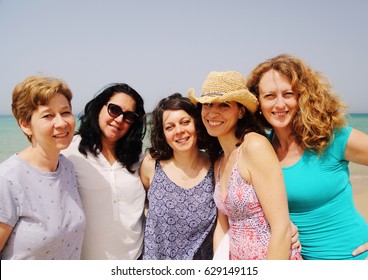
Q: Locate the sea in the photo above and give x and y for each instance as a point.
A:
(12, 139)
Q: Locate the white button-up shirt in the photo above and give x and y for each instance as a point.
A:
(113, 201)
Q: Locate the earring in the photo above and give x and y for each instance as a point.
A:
(260, 112)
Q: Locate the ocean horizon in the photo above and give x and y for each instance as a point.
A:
(13, 140)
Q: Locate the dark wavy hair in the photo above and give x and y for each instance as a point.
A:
(129, 147)
(159, 148)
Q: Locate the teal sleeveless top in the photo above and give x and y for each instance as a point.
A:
(321, 203)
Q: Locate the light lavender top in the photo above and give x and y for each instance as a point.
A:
(44, 210)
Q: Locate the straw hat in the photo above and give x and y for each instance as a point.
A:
(225, 86)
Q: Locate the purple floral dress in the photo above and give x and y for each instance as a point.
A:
(180, 221)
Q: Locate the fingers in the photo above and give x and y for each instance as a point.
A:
(295, 237)
(360, 249)
(295, 243)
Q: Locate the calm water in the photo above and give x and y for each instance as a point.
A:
(13, 140)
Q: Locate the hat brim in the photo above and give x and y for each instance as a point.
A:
(242, 96)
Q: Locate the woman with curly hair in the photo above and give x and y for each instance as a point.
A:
(314, 146)
(106, 154)
(178, 176)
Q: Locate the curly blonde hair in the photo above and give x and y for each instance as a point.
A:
(320, 109)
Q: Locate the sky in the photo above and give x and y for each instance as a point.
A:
(165, 46)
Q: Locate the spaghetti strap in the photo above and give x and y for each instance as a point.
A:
(250, 231)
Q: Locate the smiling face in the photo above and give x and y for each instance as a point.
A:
(278, 102)
(220, 118)
(52, 125)
(179, 130)
(115, 128)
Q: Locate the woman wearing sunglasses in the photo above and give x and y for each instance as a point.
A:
(105, 152)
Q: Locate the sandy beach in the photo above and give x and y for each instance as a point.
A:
(359, 180)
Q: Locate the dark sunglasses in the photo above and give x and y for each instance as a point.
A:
(115, 111)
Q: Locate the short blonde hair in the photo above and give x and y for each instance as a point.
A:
(320, 109)
(34, 91)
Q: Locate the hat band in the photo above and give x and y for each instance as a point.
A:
(212, 93)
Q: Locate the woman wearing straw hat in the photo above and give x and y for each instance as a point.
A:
(249, 187)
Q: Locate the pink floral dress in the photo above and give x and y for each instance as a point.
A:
(249, 232)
